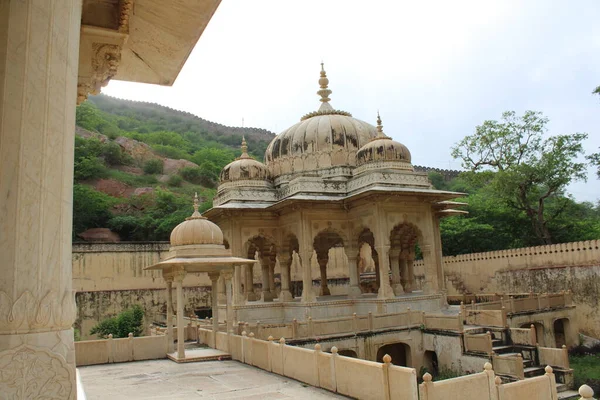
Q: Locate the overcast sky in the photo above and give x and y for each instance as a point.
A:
(434, 69)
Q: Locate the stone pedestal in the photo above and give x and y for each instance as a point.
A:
(285, 294)
(385, 289)
(39, 47)
(354, 289)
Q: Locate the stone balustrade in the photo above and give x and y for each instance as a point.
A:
(512, 304)
(478, 343)
(522, 336)
(368, 380)
(554, 357)
(509, 366)
(442, 322)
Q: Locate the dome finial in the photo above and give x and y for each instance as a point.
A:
(244, 148)
(324, 91)
(196, 214)
(380, 134)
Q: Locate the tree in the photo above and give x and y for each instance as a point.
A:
(153, 166)
(128, 321)
(91, 209)
(595, 159)
(530, 171)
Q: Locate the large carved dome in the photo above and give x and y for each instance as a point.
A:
(322, 139)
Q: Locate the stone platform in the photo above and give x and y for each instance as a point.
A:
(199, 354)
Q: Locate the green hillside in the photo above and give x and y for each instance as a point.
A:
(137, 165)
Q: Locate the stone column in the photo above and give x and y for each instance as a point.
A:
(285, 294)
(249, 286)
(410, 273)
(354, 289)
(266, 290)
(385, 290)
(324, 290)
(39, 54)
(238, 294)
(272, 279)
(431, 279)
(180, 323)
(308, 295)
(214, 278)
(395, 264)
(404, 272)
(227, 275)
(169, 281)
(222, 298)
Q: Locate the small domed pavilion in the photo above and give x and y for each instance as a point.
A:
(334, 209)
(196, 247)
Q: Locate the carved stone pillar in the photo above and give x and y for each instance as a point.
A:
(395, 264)
(38, 87)
(214, 278)
(285, 294)
(169, 281)
(324, 290)
(266, 290)
(249, 286)
(431, 279)
(180, 324)
(222, 298)
(227, 276)
(354, 289)
(410, 276)
(385, 289)
(272, 279)
(308, 295)
(404, 278)
(238, 294)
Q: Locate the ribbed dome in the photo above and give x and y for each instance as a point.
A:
(244, 168)
(383, 148)
(196, 230)
(322, 139)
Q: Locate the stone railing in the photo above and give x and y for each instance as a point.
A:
(478, 343)
(496, 318)
(524, 337)
(105, 351)
(529, 303)
(371, 380)
(554, 357)
(509, 365)
(441, 322)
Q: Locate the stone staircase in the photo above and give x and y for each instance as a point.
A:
(531, 367)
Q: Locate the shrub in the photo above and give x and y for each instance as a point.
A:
(197, 175)
(128, 321)
(91, 209)
(154, 166)
(88, 168)
(175, 180)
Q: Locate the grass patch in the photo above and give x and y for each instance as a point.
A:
(586, 370)
(131, 179)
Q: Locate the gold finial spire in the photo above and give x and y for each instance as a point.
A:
(380, 134)
(324, 91)
(244, 148)
(196, 214)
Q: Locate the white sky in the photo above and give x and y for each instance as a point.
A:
(434, 69)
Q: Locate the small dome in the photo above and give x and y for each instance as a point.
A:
(322, 139)
(383, 148)
(196, 230)
(244, 168)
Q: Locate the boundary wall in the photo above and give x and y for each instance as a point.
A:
(106, 351)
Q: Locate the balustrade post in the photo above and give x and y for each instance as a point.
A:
(586, 393)
(386, 376)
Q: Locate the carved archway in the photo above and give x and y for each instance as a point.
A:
(367, 263)
(324, 241)
(264, 249)
(404, 238)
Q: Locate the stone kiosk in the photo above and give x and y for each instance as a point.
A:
(196, 247)
(335, 199)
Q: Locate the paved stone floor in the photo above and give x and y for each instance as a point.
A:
(165, 379)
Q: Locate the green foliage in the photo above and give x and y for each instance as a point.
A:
(89, 168)
(530, 171)
(169, 151)
(175, 180)
(595, 159)
(199, 176)
(89, 117)
(128, 321)
(131, 179)
(154, 166)
(91, 209)
(586, 370)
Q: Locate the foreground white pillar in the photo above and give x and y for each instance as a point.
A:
(39, 51)
(214, 278)
(180, 323)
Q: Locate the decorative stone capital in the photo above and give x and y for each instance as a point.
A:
(214, 276)
(227, 275)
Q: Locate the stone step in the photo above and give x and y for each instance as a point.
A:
(509, 354)
(533, 371)
(568, 395)
(501, 349)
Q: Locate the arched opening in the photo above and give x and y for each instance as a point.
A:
(400, 353)
(347, 353)
(324, 241)
(403, 249)
(262, 249)
(560, 331)
(288, 268)
(430, 362)
(368, 262)
(539, 331)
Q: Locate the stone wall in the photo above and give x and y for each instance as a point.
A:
(110, 277)
(567, 266)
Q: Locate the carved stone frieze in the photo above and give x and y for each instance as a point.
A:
(29, 372)
(28, 313)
